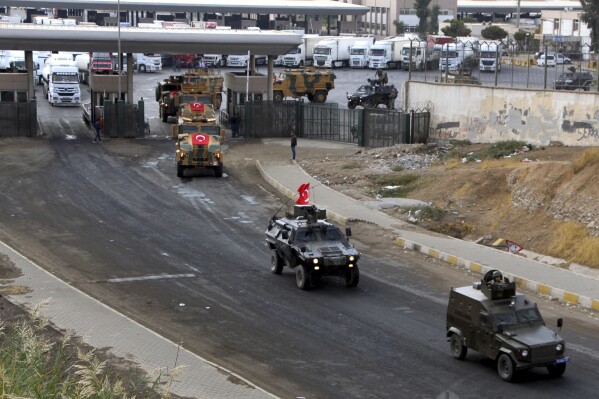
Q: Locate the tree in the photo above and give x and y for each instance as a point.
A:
(590, 15)
(456, 28)
(400, 27)
(520, 36)
(494, 32)
(433, 25)
(422, 12)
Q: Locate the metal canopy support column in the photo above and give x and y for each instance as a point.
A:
(269, 78)
(29, 68)
(129, 78)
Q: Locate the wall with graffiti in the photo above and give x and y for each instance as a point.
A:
(489, 114)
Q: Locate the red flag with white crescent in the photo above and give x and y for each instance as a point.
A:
(304, 194)
(197, 107)
(200, 139)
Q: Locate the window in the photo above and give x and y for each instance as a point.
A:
(556, 24)
(576, 25)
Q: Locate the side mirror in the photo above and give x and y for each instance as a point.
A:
(560, 322)
(348, 231)
(285, 234)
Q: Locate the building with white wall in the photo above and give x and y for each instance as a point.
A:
(566, 27)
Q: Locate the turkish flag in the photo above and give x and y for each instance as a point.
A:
(197, 107)
(200, 139)
(173, 94)
(304, 194)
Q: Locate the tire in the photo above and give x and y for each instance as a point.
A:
(557, 370)
(180, 170)
(302, 278)
(301, 63)
(277, 96)
(352, 277)
(142, 68)
(458, 350)
(505, 367)
(310, 97)
(320, 97)
(351, 105)
(276, 262)
(163, 115)
(218, 171)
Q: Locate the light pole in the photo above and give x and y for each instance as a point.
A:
(118, 22)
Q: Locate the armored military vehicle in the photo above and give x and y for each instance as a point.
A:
(198, 149)
(196, 114)
(307, 242)
(312, 83)
(371, 96)
(491, 318)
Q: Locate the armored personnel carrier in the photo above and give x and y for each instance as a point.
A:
(372, 95)
(307, 242)
(196, 114)
(198, 149)
(310, 82)
(491, 318)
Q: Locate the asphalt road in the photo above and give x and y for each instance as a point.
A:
(97, 214)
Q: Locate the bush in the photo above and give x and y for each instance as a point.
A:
(588, 157)
(429, 212)
(391, 186)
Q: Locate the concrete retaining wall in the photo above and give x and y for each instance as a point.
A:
(489, 114)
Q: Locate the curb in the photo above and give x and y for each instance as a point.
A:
(566, 297)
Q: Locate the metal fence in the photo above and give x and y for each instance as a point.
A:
(507, 63)
(365, 127)
(18, 119)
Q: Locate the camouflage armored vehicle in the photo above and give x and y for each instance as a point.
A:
(371, 96)
(315, 248)
(196, 114)
(312, 83)
(198, 149)
(171, 93)
(491, 318)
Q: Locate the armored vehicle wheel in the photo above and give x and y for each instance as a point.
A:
(320, 97)
(310, 97)
(276, 262)
(505, 367)
(557, 370)
(218, 171)
(163, 115)
(157, 93)
(351, 105)
(277, 96)
(302, 278)
(458, 350)
(142, 68)
(180, 170)
(352, 277)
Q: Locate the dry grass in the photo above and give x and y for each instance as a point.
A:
(572, 241)
(500, 163)
(588, 157)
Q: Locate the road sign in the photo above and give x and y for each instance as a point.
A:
(512, 247)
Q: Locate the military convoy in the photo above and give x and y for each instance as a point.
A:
(491, 318)
(199, 85)
(313, 83)
(373, 95)
(307, 242)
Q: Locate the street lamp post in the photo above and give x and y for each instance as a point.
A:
(118, 21)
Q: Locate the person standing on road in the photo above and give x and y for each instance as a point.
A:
(98, 128)
(293, 144)
(234, 126)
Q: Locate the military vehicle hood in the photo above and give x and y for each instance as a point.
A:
(533, 336)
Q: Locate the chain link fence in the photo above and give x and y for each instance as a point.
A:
(555, 63)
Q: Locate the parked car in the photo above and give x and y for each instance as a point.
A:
(574, 81)
(562, 59)
(549, 59)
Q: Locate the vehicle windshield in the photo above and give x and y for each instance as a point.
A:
(488, 54)
(295, 51)
(74, 78)
(377, 52)
(357, 51)
(326, 233)
(322, 50)
(449, 54)
(522, 316)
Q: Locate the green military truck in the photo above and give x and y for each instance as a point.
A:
(310, 82)
(489, 317)
(197, 149)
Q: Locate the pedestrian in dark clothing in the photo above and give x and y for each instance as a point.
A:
(98, 128)
(293, 144)
(234, 126)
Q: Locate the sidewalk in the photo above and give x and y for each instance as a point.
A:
(529, 274)
(102, 327)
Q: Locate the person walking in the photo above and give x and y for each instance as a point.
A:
(98, 127)
(293, 144)
(234, 126)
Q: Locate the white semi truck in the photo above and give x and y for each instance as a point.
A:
(422, 57)
(302, 54)
(214, 60)
(358, 54)
(490, 56)
(455, 57)
(334, 52)
(60, 79)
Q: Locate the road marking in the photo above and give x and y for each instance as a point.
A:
(150, 277)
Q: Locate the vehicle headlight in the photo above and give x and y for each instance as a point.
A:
(316, 267)
(315, 261)
(559, 348)
(524, 353)
(351, 258)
